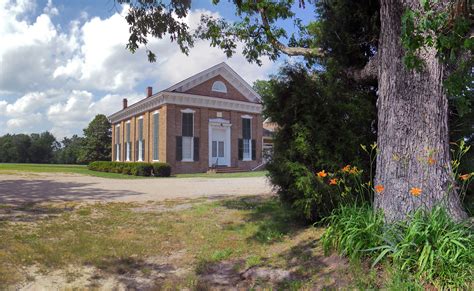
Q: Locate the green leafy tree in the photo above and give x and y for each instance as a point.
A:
(412, 106)
(97, 140)
(15, 148)
(70, 151)
(42, 147)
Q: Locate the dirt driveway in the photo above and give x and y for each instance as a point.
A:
(46, 187)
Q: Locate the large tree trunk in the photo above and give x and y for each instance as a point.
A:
(413, 138)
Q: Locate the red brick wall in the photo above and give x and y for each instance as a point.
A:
(170, 127)
(204, 89)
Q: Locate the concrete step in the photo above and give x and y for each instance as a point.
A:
(221, 170)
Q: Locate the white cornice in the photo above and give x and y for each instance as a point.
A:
(151, 103)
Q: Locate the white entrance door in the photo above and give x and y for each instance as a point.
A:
(219, 143)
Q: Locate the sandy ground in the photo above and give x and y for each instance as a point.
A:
(47, 187)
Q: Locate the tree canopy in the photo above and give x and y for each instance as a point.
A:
(97, 144)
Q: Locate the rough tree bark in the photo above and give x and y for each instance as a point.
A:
(413, 138)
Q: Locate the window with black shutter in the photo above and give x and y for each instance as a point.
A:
(156, 136)
(128, 144)
(246, 139)
(117, 142)
(188, 148)
(141, 142)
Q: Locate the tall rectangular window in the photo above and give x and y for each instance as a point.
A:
(117, 142)
(187, 133)
(247, 138)
(141, 142)
(128, 141)
(156, 135)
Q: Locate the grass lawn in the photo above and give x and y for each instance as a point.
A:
(82, 169)
(173, 244)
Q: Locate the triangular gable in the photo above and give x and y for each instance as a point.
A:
(226, 72)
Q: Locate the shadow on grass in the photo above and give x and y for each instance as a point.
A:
(273, 219)
(135, 273)
(307, 258)
(30, 212)
(19, 192)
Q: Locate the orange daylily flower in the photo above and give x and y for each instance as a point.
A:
(354, 170)
(431, 161)
(322, 174)
(347, 168)
(379, 188)
(333, 181)
(415, 191)
(464, 177)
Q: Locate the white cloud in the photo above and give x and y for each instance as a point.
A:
(58, 76)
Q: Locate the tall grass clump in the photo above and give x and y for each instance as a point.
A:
(352, 229)
(435, 248)
(429, 246)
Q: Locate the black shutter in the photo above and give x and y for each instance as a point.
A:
(241, 149)
(120, 152)
(143, 150)
(196, 149)
(254, 150)
(179, 148)
(136, 151)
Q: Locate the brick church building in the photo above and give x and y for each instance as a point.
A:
(210, 120)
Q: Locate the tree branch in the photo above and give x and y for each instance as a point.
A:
(368, 72)
(290, 51)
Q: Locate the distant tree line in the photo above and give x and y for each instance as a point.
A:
(44, 147)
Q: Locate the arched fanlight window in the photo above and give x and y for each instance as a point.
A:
(219, 86)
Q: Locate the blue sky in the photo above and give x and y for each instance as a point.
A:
(62, 62)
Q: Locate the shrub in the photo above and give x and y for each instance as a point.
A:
(136, 169)
(144, 169)
(306, 142)
(161, 170)
(429, 245)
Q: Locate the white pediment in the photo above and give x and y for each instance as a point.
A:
(227, 73)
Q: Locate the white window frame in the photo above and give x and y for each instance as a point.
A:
(128, 144)
(158, 145)
(140, 142)
(249, 157)
(219, 86)
(187, 110)
(117, 143)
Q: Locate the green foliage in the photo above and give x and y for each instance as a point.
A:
(353, 229)
(161, 170)
(70, 151)
(347, 31)
(97, 140)
(429, 246)
(22, 148)
(448, 32)
(157, 19)
(135, 169)
(307, 142)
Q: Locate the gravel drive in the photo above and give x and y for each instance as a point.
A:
(47, 187)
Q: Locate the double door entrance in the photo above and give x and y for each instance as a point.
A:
(219, 145)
